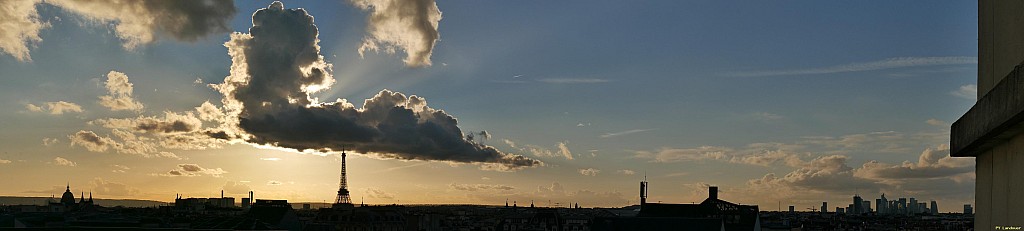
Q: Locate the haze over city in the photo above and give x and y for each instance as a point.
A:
(483, 102)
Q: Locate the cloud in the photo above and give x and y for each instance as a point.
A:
(90, 141)
(120, 168)
(573, 80)
(171, 123)
(271, 159)
(55, 108)
(935, 122)
(378, 193)
(139, 22)
(3, 161)
(150, 136)
(890, 63)
(765, 116)
(969, 91)
(400, 24)
(119, 97)
(60, 161)
(131, 144)
(626, 172)
(21, 24)
(822, 174)
(274, 182)
(589, 171)
(614, 134)
(109, 188)
(563, 150)
(480, 187)
(932, 163)
(47, 141)
(191, 170)
(232, 187)
(135, 22)
(278, 65)
(668, 155)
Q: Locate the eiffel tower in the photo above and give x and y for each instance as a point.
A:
(343, 197)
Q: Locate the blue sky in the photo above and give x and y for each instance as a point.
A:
(681, 90)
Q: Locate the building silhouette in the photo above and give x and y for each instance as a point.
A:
(67, 202)
(712, 211)
(858, 205)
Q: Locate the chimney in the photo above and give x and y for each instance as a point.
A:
(221, 193)
(713, 192)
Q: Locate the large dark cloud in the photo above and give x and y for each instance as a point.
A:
(138, 22)
(277, 65)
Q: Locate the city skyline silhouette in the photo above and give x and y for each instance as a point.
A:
(480, 103)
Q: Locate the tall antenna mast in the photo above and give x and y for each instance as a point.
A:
(343, 197)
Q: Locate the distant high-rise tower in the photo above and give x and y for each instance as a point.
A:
(858, 205)
(343, 197)
(643, 191)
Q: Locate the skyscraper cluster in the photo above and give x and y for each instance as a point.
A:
(902, 206)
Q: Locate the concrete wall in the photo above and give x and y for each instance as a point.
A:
(1000, 184)
(1000, 170)
(1000, 40)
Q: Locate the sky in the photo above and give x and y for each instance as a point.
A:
(483, 102)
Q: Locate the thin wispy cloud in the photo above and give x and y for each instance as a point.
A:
(573, 80)
(614, 134)
(890, 63)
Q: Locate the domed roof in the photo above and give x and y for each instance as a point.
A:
(68, 198)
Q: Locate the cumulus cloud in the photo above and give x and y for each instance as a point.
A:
(130, 144)
(3, 161)
(278, 65)
(150, 136)
(479, 187)
(626, 172)
(21, 26)
(135, 22)
(969, 91)
(90, 141)
(589, 171)
(564, 150)
(119, 97)
(55, 108)
(822, 175)
(47, 141)
(60, 161)
(170, 123)
(410, 26)
(139, 22)
(109, 188)
(191, 170)
(932, 163)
